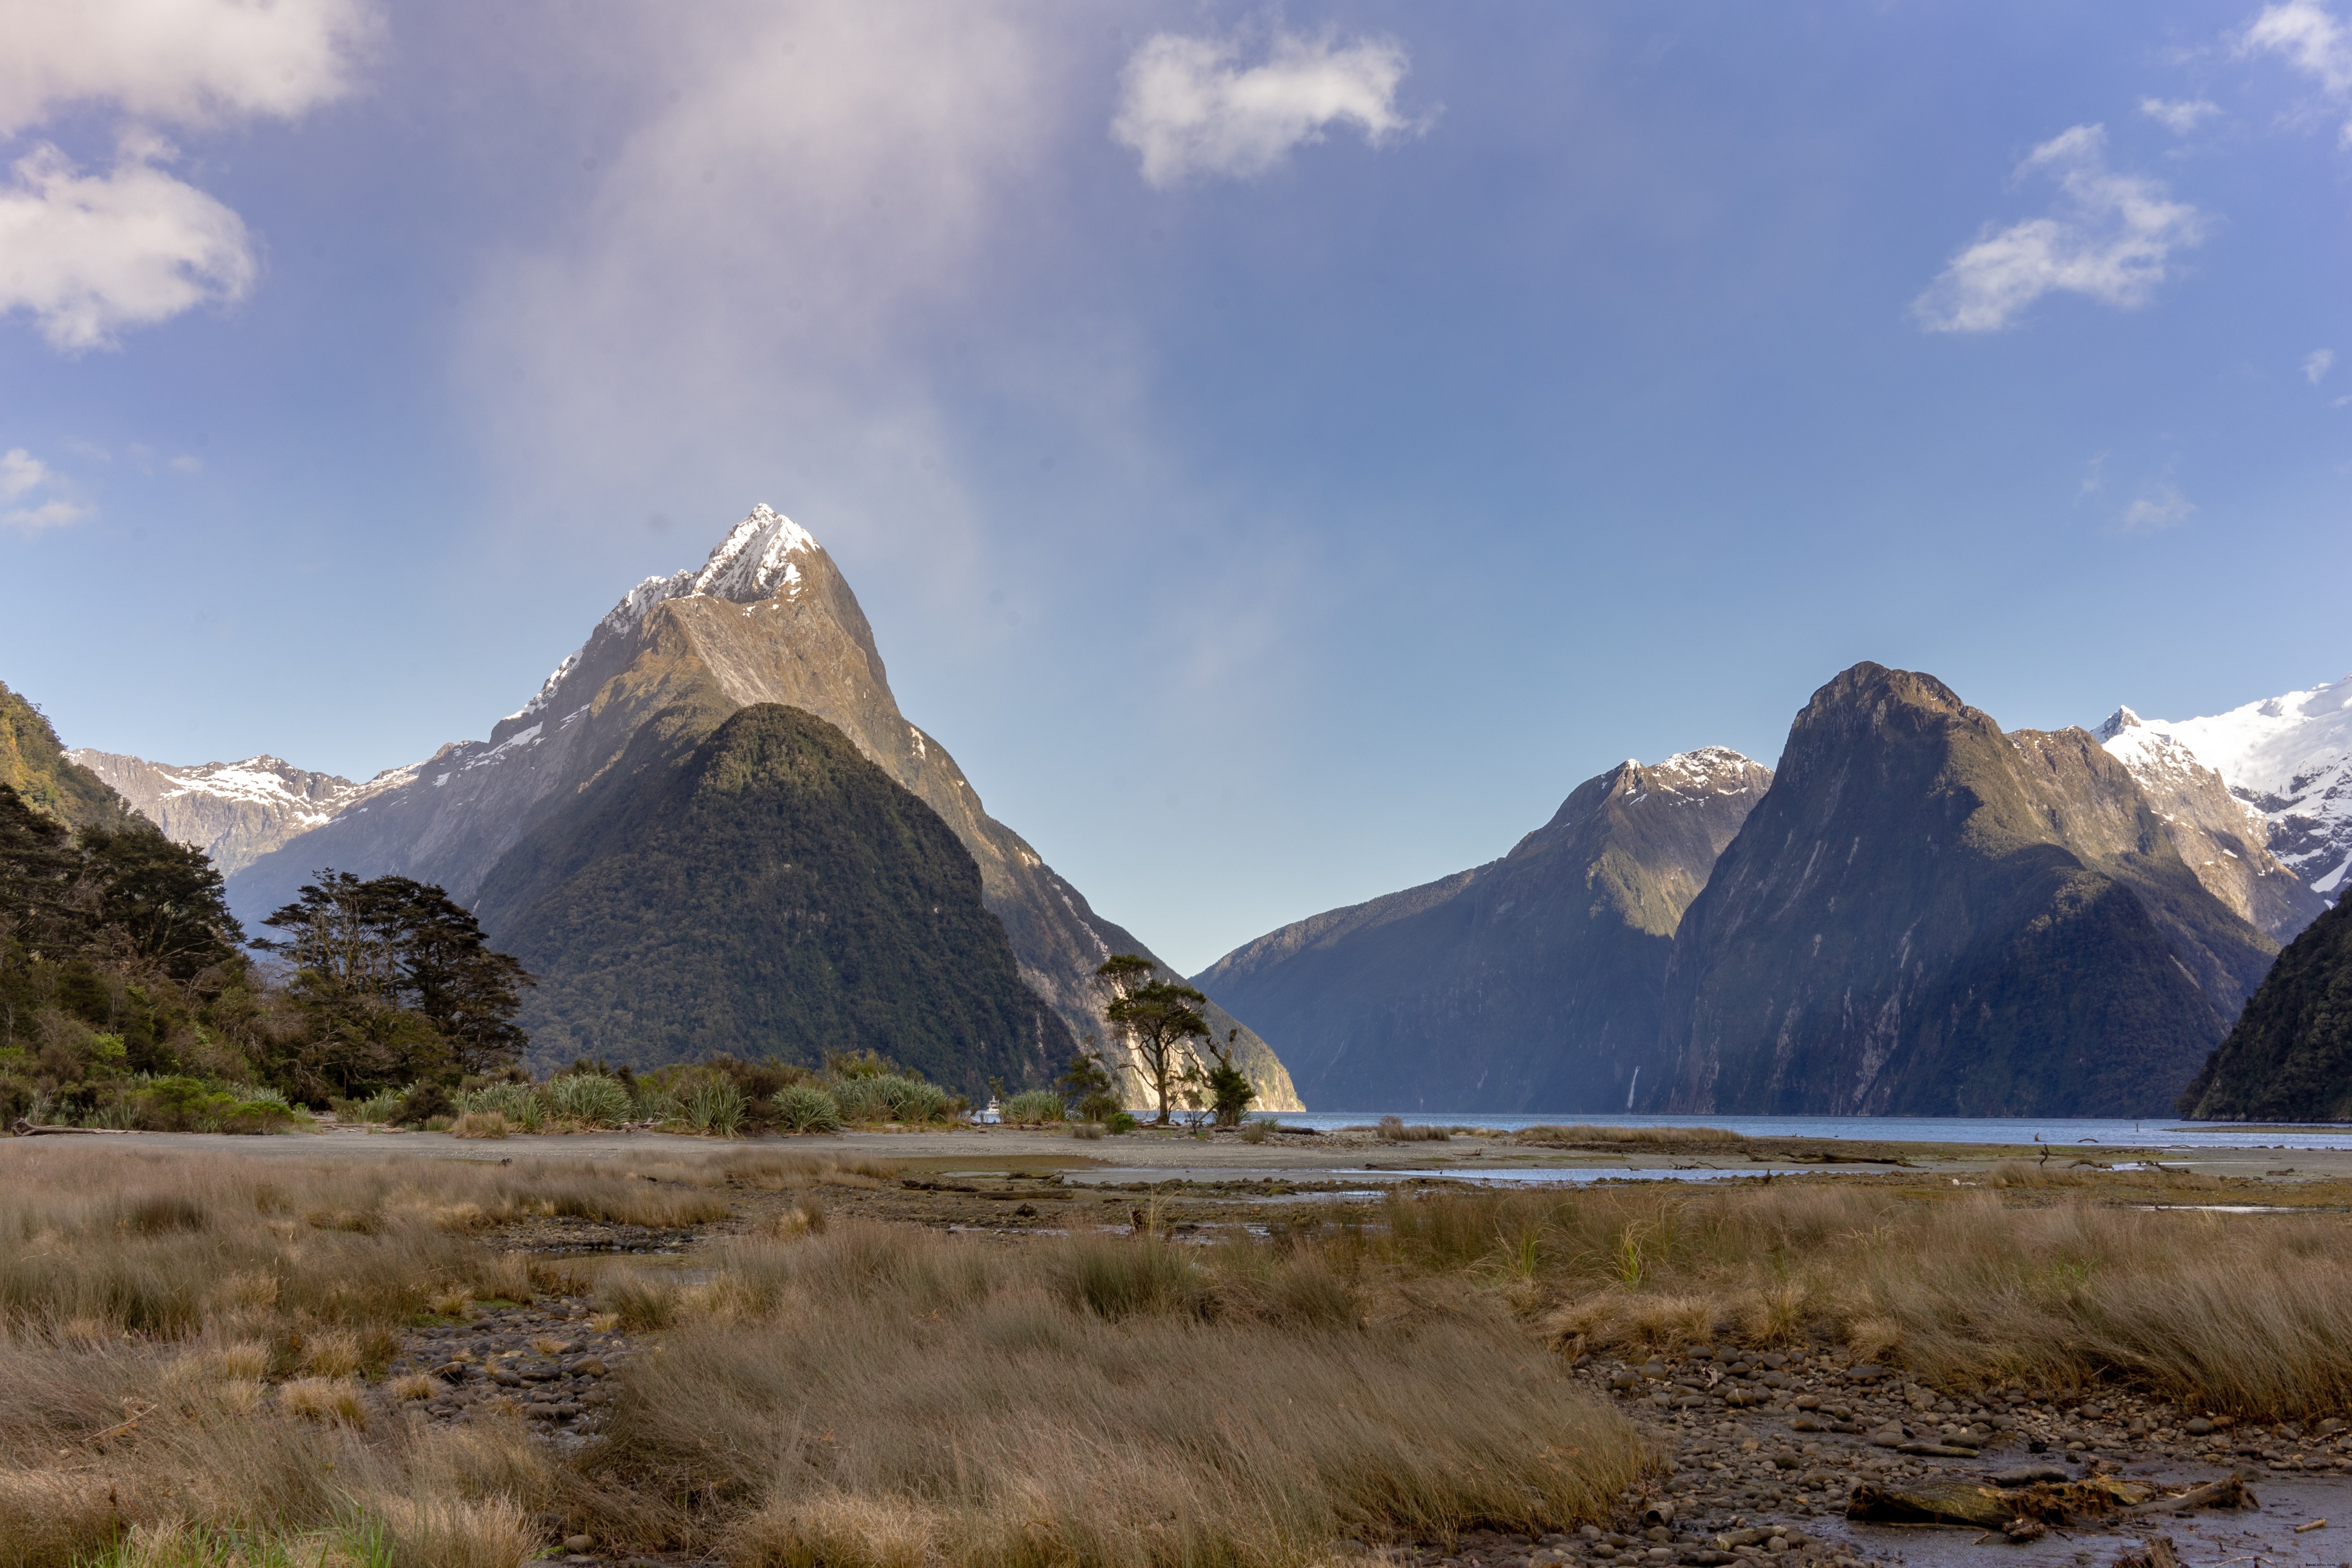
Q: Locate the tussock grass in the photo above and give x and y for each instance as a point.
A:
(1395, 1130)
(2251, 1315)
(883, 1395)
(1585, 1133)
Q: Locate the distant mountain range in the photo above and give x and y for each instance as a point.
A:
(767, 619)
(1918, 914)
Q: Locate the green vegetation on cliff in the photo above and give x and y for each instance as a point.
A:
(33, 762)
(2290, 1057)
(765, 891)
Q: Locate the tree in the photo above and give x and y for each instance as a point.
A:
(1160, 1018)
(1229, 1089)
(360, 948)
(162, 903)
(1088, 1084)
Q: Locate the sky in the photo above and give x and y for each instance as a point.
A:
(1282, 449)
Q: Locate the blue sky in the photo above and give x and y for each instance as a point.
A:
(1281, 450)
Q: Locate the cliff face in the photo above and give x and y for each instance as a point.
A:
(767, 619)
(1925, 916)
(1531, 983)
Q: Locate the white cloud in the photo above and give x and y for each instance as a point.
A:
(2315, 363)
(2160, 506)
(2312, 41)
(2110, 241)
(21, 473)
(187, 463)
(185, 62)
(89, 254)
(2179, 115)
(1189, 110)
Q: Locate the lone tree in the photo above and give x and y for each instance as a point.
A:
(1160, 1017)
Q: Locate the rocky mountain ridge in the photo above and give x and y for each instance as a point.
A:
(1528, 983)
(234, 811)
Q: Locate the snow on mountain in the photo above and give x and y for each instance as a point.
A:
(235, 812)
(2287, 758)
(754, 562)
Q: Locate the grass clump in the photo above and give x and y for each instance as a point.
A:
(1033, 1106)
(1395, 1130)
(804, 1108)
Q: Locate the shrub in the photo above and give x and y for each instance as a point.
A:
(1257, 1132)
(715, 1105)
(1034, 1105)
(1123, 1122)
(481, 1124)
(1090, 1131)
(1100, 1106)
(423, 1103)
(378, 1109)
(656, 1104)
(591, 1097)
(804, 1108)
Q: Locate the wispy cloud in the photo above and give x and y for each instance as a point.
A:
(21, 476)
(2315, 363)
(2179, 115)
(1189, 107)
(88, 255)
(2159, 507)
(2110, 240)
(2312, 40)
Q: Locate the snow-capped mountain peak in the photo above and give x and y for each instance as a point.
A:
(754, 562)
(2287, 758)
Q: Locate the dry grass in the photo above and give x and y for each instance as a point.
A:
(885, 1396)
(2245, 1314)
(481, 1124)
(1395, 1130)
(1584, 1134)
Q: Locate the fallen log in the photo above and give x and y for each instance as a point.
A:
(2230, 1492)
(23, 1129)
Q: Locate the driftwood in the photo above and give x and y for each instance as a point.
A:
(23, 1129)
(2004, 1509)
(2156, 1553)
(1990, 1507)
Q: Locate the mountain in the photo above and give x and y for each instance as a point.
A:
(34, 763)
(829, 908)
(2290, 1057)
(767, 619)
(1531, 983)
(234, 811)
(2222, 838)
(2289, 759)
(1925, 916)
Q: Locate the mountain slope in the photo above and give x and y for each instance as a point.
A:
(829, 908)
(2290, 1057)
(34, 763)
(234, 811)
(1925, 916)
(2222, 838)
(767, 619)
(1528, 983)
(2289, 759)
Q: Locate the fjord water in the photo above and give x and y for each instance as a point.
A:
(2148, 1132)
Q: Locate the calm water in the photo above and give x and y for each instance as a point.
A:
(2062, 1132)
